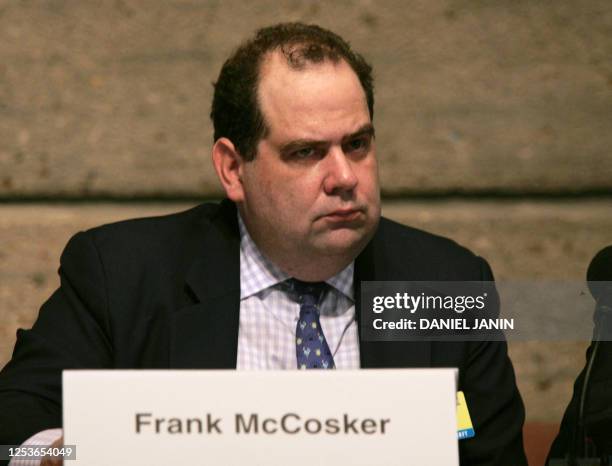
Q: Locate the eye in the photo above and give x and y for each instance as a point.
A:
(360, 144)
(303, 153)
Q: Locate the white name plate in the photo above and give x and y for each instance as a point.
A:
(272, 418)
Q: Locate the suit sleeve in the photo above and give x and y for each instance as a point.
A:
(560, 447)
(494, 402)
(72, 331)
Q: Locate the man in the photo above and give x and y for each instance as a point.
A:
(214, 287)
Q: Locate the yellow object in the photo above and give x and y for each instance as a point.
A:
(465, 429)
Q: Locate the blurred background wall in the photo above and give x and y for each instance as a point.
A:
(493, 118)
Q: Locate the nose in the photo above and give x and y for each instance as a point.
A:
(340, 177)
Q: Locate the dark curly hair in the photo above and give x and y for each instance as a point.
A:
(235, 111)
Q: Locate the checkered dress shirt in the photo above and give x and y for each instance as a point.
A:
(268, 315)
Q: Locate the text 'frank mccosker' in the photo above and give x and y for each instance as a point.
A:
(290, 423)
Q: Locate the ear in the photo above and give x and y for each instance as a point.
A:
(228, 164)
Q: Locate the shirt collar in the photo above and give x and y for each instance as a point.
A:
(258, 273)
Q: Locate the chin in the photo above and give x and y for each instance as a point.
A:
(345, 241)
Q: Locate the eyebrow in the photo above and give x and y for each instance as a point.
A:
(287, 148)
(365, 130)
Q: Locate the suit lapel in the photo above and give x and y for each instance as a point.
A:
(204, 334)
(374, 264)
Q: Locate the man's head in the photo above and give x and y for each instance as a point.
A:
(236, 113)
(308, 193)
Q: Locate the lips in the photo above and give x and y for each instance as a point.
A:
(344, 215)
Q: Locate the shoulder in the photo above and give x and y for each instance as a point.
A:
(151, 239)
(430, 256)
(156, 228)
(408, 238)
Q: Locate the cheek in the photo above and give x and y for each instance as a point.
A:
(369, 179)
(293, 193)
(263, 185)
(303, 189)
(281, 196)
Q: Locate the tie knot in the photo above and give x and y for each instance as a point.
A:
(308, 293)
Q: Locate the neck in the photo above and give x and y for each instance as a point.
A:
(317, 271)
(298, 261)
(306, 266)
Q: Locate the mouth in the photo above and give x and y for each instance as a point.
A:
(344, 215)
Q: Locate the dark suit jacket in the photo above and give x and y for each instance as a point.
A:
(597, 410)
(164, 293)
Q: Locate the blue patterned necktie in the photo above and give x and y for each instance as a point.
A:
(311, 347)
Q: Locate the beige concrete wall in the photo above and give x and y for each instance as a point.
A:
(110, 98)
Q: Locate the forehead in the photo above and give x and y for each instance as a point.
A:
(319, 98)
